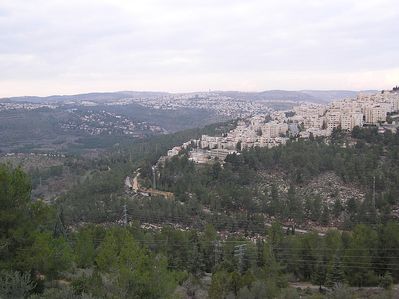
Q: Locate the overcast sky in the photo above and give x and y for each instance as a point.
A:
(72, 46)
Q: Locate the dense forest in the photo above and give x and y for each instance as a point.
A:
(39, 259)
(212, 240)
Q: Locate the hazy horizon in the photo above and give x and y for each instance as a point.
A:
(188, 92)
(72, 47)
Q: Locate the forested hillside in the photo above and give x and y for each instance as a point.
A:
(370, 164)
(41, 260)
(227, 233)
(101, 195)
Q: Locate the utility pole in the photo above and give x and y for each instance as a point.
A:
(154, 186)
(59, 228)
(125, 215)
(374, 192)
(239, 252)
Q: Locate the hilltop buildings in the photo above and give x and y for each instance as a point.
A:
(304, 121)
(363, 110)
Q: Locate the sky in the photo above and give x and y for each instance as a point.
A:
(74, 46)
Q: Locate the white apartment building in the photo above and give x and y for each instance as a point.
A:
(333, 119)
(313, 122)
(375, 114)
(274, 129)
(357, 120)
(394, 100)
(221, 154)
(346, 120)
(350, 119)
(210, 141)
(270, 142)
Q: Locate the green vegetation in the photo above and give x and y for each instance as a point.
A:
(115, 262)
(32, 245)
(99, 198)
(42, 256)
(237, 186)
(69, 128)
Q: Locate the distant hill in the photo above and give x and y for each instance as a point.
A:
(100, 97)
(329, 95)
(269, 95)
(315, 96)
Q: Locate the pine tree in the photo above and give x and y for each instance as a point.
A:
(59, 228)
(335, 273)
(319, 274)
(275, 205)
(295, 209)
(196, 259)
(15, 284)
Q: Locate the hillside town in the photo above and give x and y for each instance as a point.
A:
(364, 110)
(106, 123)
(4, 106)
(303, 121)
(222, 105)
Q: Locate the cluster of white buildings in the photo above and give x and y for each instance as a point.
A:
(222, 105)
(27, 106)
(321, 120)
(197, 154)
(176, 150)
(257, 131)
(306, 120)
(269, 130)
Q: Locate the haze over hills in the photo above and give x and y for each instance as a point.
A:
(315, 96)
(92, 96)
(328, 95)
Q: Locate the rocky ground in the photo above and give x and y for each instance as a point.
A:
(327, 185)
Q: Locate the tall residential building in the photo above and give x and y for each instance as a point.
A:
(357, 119)
(333, 119)
(375, 114)
(346, 120)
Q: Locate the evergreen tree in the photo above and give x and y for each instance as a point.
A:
(220, 285)
(84, 249)
(335, 273)
(294, 205)
(275, 204)
(358, 257)
(319, 273)
(15, 285)
(386, 281)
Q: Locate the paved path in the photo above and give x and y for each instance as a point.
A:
(297, 230)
